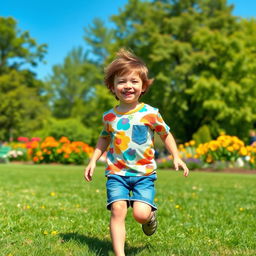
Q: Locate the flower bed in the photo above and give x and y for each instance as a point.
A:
(224, 152)
(50, 150)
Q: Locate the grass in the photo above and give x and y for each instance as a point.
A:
(50, 210)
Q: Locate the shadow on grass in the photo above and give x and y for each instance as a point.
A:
(97, 246)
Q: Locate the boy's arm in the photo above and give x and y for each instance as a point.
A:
(101, 147)
(171, 146)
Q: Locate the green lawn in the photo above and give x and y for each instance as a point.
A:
(51, 210)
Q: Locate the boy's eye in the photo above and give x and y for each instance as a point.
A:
(121, 81)
(134, 81)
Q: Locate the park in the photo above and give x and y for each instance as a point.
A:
(50, 210)
(202, 64)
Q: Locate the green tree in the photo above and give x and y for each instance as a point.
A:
(75, 90)
(67, 87)
(202, 58)
(22, 110)
(17, 48)
(99, 39)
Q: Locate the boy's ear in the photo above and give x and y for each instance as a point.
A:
(144, 87)
(112, 89)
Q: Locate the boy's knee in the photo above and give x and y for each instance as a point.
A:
(141, 216)
(119, 209)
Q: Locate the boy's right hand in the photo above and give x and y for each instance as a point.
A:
(89, 170)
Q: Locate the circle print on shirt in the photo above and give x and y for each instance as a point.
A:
(123, 124)
(129, 154)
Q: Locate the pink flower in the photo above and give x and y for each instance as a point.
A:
(35, 139)
(23, 139)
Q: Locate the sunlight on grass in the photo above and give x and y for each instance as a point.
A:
(51, 210)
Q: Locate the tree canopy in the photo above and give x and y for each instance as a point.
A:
(22, 109)
(202, 58)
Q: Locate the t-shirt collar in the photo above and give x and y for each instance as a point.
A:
(139, 107)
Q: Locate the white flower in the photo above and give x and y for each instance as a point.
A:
(247, 158)
(240, 162)
(19, 153)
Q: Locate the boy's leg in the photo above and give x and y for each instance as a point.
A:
(142, 212)
(117, 226)
(143, 204)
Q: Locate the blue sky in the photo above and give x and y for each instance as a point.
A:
(61, 23)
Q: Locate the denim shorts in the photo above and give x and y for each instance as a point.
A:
(130, 189)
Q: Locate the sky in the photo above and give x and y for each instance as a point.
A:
(60, 23)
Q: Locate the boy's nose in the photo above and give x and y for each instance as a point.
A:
(128, 84)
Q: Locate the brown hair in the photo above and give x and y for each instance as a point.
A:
(126, 62)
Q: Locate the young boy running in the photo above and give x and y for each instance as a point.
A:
(128, 134)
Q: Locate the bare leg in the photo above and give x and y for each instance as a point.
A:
(117, 226)
(142, 212)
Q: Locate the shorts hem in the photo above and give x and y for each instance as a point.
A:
(154, 207)
(115, 200)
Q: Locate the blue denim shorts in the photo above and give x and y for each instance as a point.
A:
(130, 189)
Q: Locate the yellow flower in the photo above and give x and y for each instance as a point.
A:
(236, 146)
(241, 209)
(45, 232)
(177, 206)
(54, 232)
(53, 194)
(192, 142)
(243, 151)
(230, 149)
(213, 145)
(225, 143)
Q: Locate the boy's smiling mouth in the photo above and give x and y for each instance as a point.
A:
(128, 93)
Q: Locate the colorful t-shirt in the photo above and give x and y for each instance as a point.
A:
(131, 150)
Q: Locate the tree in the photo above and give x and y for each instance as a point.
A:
(75, 90)
(17, 48)
(67, 88)
(99, 39)
(201, 58)
(22, 110)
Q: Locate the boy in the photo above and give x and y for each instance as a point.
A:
(128, 134)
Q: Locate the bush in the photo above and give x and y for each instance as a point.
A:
(71, 128)
(202, 135)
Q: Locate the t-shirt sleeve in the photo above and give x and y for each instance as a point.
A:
(160, 126)
(105, 131)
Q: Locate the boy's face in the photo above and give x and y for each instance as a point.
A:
(128, 87)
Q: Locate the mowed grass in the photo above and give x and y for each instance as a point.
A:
(51, 210)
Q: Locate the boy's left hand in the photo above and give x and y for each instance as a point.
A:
(178, 162)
